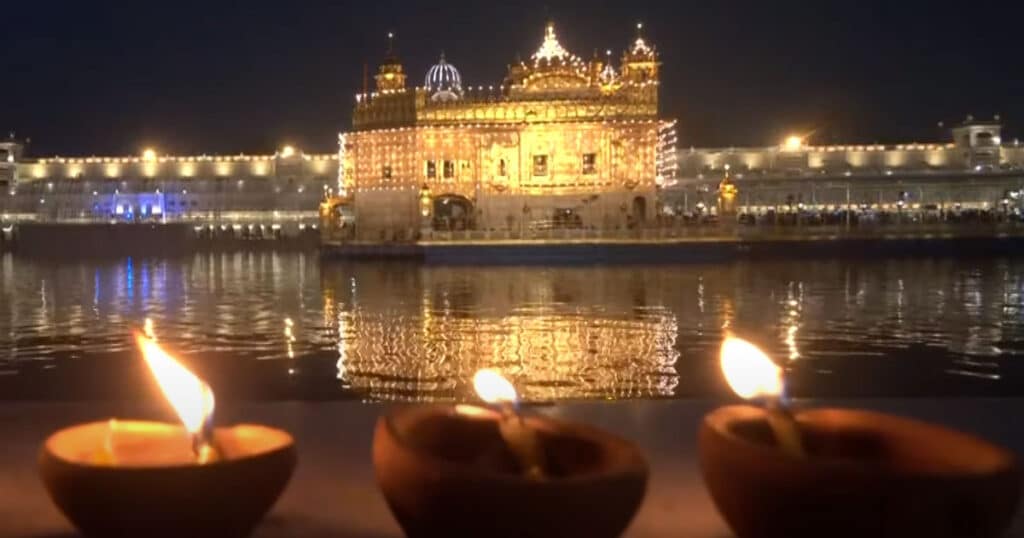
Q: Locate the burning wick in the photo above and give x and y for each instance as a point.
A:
(520, 439)
(107, 456)
(191, 398)
(751, 374)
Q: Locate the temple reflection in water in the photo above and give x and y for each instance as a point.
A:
(415, 332)
(558, 338)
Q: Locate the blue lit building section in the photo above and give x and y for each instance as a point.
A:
(133, 207)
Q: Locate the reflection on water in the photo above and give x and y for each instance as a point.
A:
(283, 325)
(422, 334)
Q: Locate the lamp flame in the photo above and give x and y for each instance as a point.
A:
(493, 388)
(749, 372)
(497, 391)
(191, 398)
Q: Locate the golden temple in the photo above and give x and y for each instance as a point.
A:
(562, 142)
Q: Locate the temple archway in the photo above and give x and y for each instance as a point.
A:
(453, 212)
(639, 209)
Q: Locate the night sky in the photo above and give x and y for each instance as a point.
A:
(103, 78)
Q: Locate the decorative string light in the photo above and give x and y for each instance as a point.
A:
(609, 76)
(342, 164)
(551, 49)
(667, 152)
(640, 47)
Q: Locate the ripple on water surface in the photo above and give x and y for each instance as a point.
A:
(411, 332)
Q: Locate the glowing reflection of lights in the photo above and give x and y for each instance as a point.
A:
(791, 320)
(901, 289)
(791, 331)
(289, 338)
(342, 364)
(129, 277)
(420, 333)
(144, 277)
(557, 353)
(44, 311)
(96, 289)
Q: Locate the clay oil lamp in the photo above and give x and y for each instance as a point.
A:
(837, 472)
(122, 478)
(492, 471)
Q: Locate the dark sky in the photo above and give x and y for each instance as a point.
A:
(109, 78)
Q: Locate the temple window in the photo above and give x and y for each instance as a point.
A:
(540, 165)
(431, 169)
(449, 169)
(589, 163)
(502, 168)
(386, 173)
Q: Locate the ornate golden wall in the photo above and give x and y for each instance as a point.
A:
(487, 162)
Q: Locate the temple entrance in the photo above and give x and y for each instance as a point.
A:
(639, 209)
(337, 218)
(452, 212)
(567, 219)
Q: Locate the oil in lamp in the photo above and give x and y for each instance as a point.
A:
(132, 478)
(843, 472)
(491, 471)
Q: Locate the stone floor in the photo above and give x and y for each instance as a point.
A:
(333, 492)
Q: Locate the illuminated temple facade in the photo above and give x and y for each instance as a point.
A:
(561, 142)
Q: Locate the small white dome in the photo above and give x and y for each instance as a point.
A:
(443, 81)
